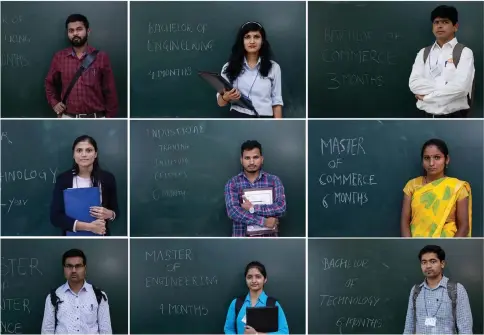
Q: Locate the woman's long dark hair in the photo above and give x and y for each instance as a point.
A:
(236, 60)
(96, 179)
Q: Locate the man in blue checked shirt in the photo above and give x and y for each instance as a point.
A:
(430, 309)
(239, 209)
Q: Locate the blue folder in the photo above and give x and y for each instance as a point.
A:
(77, 202)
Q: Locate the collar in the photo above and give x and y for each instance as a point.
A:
(261, 173)
(247, 64)
(452, 43)
(84, 287)
(262, 298)
(442, 283)
(70, 51)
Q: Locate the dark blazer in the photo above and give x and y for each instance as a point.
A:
(58, 216)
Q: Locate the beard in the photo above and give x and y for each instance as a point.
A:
(79, 42)
(251, 170)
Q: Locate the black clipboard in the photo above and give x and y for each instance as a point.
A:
(263, 319)
(219, 83)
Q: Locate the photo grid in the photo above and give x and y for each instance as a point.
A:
(146, 187)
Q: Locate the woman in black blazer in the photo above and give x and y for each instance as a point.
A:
(85, 172)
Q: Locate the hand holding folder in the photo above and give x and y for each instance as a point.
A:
(77, 202)
(220, 84)
(260, 196)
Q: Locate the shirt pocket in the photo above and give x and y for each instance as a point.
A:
(445, 310)
(449, 72)
(91, 77)
(90, 314)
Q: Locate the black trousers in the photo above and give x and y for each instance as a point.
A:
(233, 114)
(455, 115)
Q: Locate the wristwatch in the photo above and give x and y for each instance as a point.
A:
(251, 210)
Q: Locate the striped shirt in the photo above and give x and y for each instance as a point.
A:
(233, 200)
(435, 302)
(78, 313)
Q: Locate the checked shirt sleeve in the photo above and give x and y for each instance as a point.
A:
(235, 211)
(278, 208)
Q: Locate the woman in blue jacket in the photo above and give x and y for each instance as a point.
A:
(255, 278)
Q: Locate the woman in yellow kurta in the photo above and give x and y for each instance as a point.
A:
(435, 205)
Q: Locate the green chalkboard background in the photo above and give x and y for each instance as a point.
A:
(224, 263)
(392, 268)
(107, 268)
(200, 163)
(397, 28)
(393, 156)
(154, 94)
(41, 25)
(30, 148)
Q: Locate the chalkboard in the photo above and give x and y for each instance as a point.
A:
(31, 268)
(171, 41)
(387, 155)
(33, 31)
(191, 294)
(380, 274)
(360, 55)
(34, 153)
(179, 170)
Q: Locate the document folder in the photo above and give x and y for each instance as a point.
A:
(219, 83)
(77, 202)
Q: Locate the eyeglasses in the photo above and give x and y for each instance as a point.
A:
(76, 266)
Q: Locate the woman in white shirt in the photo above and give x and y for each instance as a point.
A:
(253, 74)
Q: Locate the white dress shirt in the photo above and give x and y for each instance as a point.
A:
(78, 313)
(445, 86)
(263, 92)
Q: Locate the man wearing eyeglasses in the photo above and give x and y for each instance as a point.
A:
(76, 307)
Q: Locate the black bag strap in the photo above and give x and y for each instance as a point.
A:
(238, 305)
(416, 291)
(271, 302)
(55, 300)
(452, 292)
(99, 295)
(457, 52)
(426, 53)
(87, 61)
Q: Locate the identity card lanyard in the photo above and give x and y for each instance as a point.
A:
(250, 90)
(431, 320)
(434, 71)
